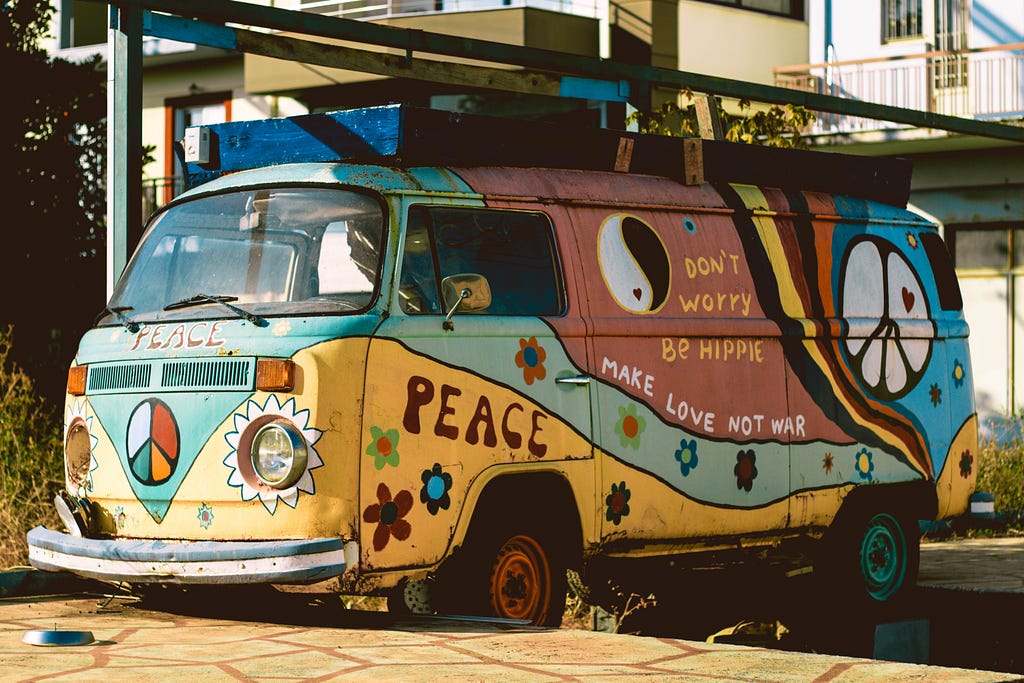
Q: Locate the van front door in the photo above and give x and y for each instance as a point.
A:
(455, 398)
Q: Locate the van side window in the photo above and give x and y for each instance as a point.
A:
(514, 250)
(945, 276)
(419, 288)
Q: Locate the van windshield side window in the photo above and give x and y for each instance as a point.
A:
(513, 250)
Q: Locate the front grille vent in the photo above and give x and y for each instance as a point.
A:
(119, 377)
(206, 374)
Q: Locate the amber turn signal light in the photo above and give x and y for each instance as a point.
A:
(275, 374)
(76, 379)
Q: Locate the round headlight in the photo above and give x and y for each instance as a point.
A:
(278, 454)
(78, 452)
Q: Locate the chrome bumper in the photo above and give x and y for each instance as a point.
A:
(192, 562)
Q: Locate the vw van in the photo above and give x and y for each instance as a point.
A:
(447, 358)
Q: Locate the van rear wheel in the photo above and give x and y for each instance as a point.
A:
(885, 558)
(876, 557)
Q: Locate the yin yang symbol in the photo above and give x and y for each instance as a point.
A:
(634, 263)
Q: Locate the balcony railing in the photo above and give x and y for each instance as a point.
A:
(158, 191)
(982, 83)
(386, 9)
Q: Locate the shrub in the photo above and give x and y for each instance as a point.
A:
(30, 459)
(1001, 472)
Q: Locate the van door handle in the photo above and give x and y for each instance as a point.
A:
(578, 380)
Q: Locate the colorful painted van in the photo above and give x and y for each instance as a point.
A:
(448, 358)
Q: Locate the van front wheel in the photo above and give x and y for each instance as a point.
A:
(526, 581)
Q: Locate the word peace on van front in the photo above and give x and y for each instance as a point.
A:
(182, 336)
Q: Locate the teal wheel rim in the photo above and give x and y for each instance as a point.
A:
(883, 557)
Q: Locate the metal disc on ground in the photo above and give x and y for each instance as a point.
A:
(57, 638)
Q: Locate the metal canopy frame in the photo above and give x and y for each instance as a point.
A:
(219, 23)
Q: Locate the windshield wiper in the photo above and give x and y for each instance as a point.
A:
(118, 312)
(200, 299)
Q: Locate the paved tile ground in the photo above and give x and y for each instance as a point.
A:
(990, 564)
(135, 644)
(304, 638)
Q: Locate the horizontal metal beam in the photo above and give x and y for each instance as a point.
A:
(383, 63)
(411, 40)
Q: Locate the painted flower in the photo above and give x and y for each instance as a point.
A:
(389, 516)
(864, 464)
(827, 463)
(120, 518)
(282, 328)
(936, 394)
(686, 456)
(630, 426)
(300, 420)
(958, 374)
(912, 240)
(531, 358)
(745, 469)
(383, 447)
(618, 503)
(205, 516)
(966, 464)
(436, 485)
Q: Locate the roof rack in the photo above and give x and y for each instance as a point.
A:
(410, 136)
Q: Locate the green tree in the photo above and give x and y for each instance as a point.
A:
(52, 141)
(774, 126)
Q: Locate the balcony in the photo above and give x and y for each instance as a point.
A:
(389, 9)
(982, 83)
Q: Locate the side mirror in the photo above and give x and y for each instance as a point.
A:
(466, 292)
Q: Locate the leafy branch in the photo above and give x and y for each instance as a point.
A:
(774, 126)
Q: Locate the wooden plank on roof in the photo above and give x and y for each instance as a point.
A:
(401, 135)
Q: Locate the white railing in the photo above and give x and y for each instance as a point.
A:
(983, 83)
(386, 9)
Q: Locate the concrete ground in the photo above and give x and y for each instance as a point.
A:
(307, 637)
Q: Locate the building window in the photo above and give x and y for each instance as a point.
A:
(794, 9)
(901, 19)
(952, 19)
(994, 247)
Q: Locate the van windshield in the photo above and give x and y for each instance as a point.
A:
(273, 251)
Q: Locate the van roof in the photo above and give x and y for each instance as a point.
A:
(405, 136)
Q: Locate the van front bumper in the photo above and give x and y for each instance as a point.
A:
(190, 562)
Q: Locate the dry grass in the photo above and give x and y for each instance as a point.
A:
(30, 459)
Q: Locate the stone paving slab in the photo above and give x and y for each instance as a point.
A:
(134, 644)
(985, 564)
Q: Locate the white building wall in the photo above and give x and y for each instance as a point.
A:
(737, 43)
(996, 22)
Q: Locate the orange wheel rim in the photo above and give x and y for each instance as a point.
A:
(521, 580)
